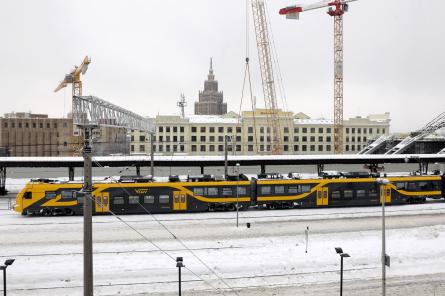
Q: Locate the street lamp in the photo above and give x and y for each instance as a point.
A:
(342, 255)
(179, 264)
(3, 267)
(385, 258)
(237, 196)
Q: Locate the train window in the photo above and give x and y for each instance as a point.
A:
(335, 195)
(227, 191)
(400, 185)
(198, 191)
(27, 195)
(50, 194)
(164, 199)
(411, 186)
(66, 194)
(372, 192)
(133, 199)
(80, 200)
(149, 199)
(242, 190)
(293, 189)
(305, 188)
(265, 190)
(435, 186)
(348, 193)
(361, 193)
(118, 200)
(212, 191)
(279, 189)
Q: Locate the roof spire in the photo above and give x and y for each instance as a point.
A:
(211, 76)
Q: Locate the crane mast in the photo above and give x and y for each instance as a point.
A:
(336, 9)
(265, 60)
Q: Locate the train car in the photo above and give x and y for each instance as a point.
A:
(56, 198)
(47, 197)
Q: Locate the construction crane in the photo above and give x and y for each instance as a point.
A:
(267, 77)
(74, 78)
(336, 9)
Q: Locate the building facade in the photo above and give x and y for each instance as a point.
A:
(27, 134)
(210, 100)
(250, 134)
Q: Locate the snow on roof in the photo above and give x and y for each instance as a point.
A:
(212, 119)
(313, 121)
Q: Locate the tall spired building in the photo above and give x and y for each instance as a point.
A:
(210, 99)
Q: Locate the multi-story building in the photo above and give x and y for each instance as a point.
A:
(27, 134)
(251, 134)
(210, 100)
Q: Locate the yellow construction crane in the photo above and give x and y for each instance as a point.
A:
(74, 77)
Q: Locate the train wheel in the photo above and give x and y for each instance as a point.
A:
(69, 212)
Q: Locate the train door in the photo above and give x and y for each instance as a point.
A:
(102, 202)
(385, 191)
(179, 200)
(322, 196)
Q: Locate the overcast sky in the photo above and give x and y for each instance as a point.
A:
(145, 53)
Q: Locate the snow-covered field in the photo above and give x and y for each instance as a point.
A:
(137, 257)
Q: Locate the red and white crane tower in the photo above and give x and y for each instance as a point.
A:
(336, 9)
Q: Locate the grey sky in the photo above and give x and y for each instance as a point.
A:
(145, 53)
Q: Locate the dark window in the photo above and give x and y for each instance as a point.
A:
(142, 138)
(118, 200)
(193, 129)
(286, 139)
(312, 129)
(167, 129)
(295, 147)
(286, 130)
(229, 129)
(27, 125)
(320, 139)
(320, 147)
(203, 139)
(203, 129)
(220, 129)
(328, 147)
(304, 130)
(249, 138)
(175, 129)
(328, 130)
(286, 147)
(20, 125)
(296, 130)
(250, 148)
(27, 195)
(328, 138)
(203, 148)
(250, 129)
(304, 139)
(220, 138)
(212, 129)
(348, 194)
(212, 148)
(361, 193)
(161, 129)
(220, 148)
(142, 148)
(181, 129)
(193, 148)
(312, 147)
(193, 138)
(238, 129)
(303, 148)
(212, 139)
(335, 195)
(320, 130)
(164, 199)
(312, 138)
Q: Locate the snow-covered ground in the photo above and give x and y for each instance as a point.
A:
(137, 256)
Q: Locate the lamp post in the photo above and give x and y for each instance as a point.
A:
(179, 265)
(342, 255)
(237, 196)
(3, 267)
(385, 258)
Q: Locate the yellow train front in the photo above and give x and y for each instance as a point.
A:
(47, 197)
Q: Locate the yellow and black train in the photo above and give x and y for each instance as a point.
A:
(133, 196)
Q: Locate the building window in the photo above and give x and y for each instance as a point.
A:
(320, 130)
(286, 139)
(320, 147)
(34, 125)
(193, 138)
(304, 139)
(167, 148)
(20, 125)
(353, 130)
(212, 129)
(220, 148)
(328, 130)
(359, 130)
(312, 138)
(5, 125)
(359, 139)
(142, 148)
(229, 130)
(296, 139)
(250, 148)
(203, 148)
(181, 138)
(320, 139)
(312, 147)
(161, 148)
(212, 148)
(203, 139)
(249, 138)
(175, 138)
(250, 129)
(286, 148)
(142, 138)
(212, 139)
(347, 139)
(238, 147)
(203, 129)
(353, 139)
(161, 129)
(238, 129)
(193, 129)
(261, 147)
(262, 129)
(175, 129)
(347, 148)
(364, 139)
(167, 138)
(312, 130)
(220, 138)
(295, 147)
(175, 148)
(167, 129)
(238, 139)
(352, 147)
(328, 147)
(193, 148)
(347, 130)
(132, 147)
(328, 138)
(364, 130)
(304, 130)
(286, 130)
(220, 129)
(27, 125)
(296, 130)
(181, 147)
(303, 148)
(181, 129)
(383, 130)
